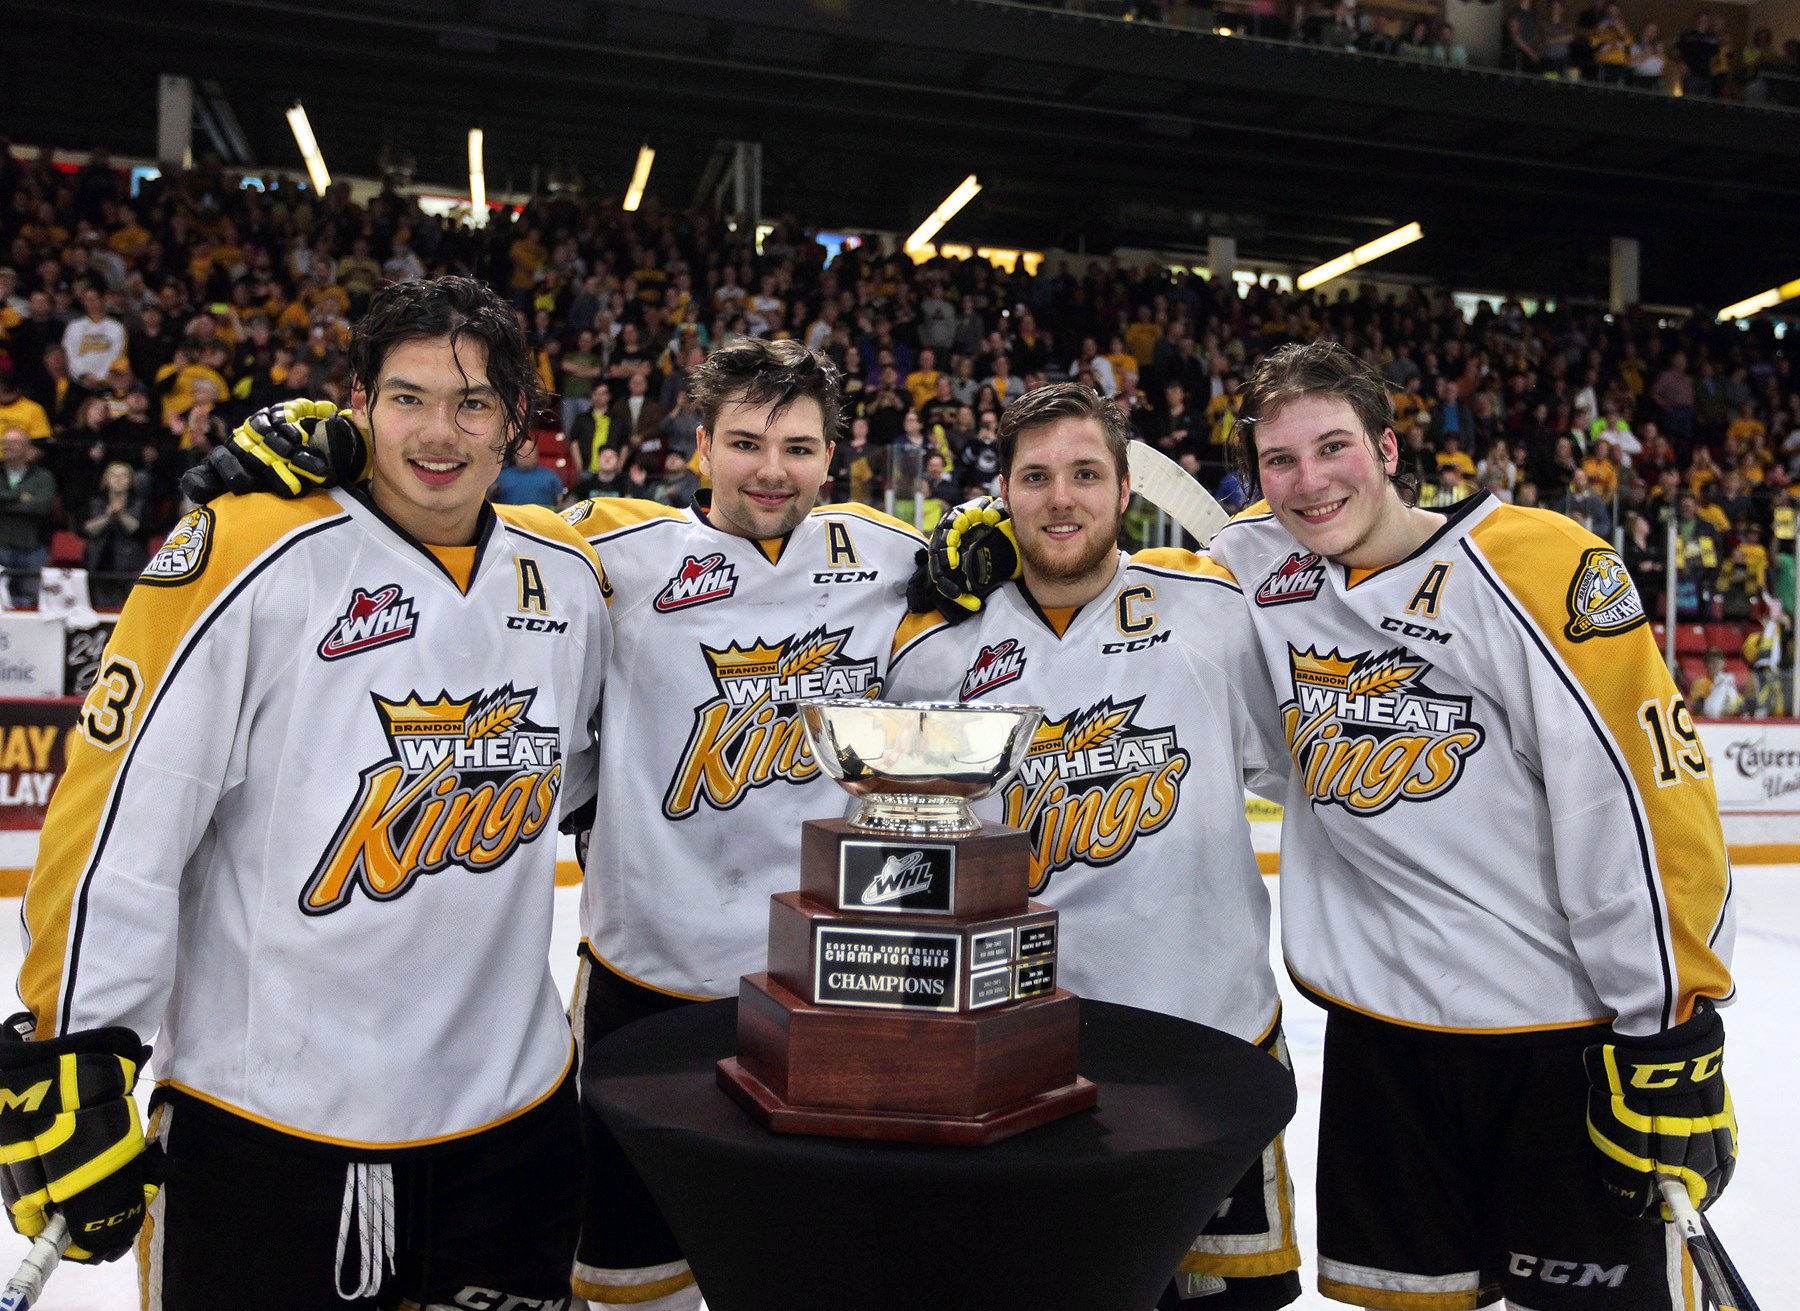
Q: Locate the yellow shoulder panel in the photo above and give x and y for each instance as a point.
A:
(1177, 560)
(1575, 589)
(915, 626)
(601, 515)
(556, 528)
(861, 511)
(200, 562)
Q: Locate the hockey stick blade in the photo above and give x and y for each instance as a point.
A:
(1174, 491)
(27, 1284)
(1719, 1278)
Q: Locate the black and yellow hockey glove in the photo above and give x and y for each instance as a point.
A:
(973, 553)
(70, 1137)
(289, 449)
(1658, 1107)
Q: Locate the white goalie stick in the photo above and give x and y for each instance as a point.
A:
(27, 1284)
(1174, 491)
(1723, 1286)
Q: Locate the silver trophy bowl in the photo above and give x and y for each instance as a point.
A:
(917, 766)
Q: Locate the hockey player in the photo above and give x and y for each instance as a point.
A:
(1157, 710)
(1503, 870)
(1502, 873)
(1502, 867)
(726, 615)
(306, 841)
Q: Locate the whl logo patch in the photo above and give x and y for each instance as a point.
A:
(888, 877)
(994, 666)
(700, 579)
(373, 619)
(1298, 579)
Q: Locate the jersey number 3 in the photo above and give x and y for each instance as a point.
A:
(106, 718)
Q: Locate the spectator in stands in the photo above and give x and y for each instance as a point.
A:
(1447, 49)
(1697, 559)
(1647, 59)
(27, 494)
(1698, 47)
(18, 410)
(1558, 37)
(117, 540)
(1521, 47)
(526, 482)
(1586, 508)
(1646, 560)
(607, 477)
(1717, 690)
(581, 370)
(1743, 576)
(1610, 41)
(93, 341)
(676, 482)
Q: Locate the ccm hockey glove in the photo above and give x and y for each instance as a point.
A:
(70, 1138)
(973, 552)
(1658, 1106)
(288, 449)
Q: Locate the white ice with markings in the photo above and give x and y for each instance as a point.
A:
(1762, 1062)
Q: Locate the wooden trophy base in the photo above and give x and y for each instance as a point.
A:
(955, 1079)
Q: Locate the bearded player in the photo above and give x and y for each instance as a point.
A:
(725, 615)
(1157, 712)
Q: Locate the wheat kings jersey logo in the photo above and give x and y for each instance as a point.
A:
(1365, 731)
(749, 735)
(468, 782)
(1092, 784)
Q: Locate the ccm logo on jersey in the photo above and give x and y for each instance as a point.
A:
(373, 619)
(1298, 579)
(828, 576)
(1135, 644)
(700, 579)
(1418, 632)
(995, 665)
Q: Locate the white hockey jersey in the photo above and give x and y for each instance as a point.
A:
(706, 772)
(1157, 712)
(308, 828)
(1500, 816)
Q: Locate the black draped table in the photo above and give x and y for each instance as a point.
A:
(1088, 1213)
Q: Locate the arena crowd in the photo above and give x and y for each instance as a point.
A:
(137, 330)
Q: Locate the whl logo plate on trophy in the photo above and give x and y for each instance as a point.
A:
(890, 876)
(889, 968)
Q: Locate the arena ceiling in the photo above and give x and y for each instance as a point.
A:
(1087, 133)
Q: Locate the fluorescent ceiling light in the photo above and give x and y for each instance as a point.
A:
(1773, 296)
(478, 211)
(1364, 254)
(966, 191)
(634, 194)
(309, 148)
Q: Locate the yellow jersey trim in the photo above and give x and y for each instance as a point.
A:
(637, 982)
(328, 1140)
(1448, 1028)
